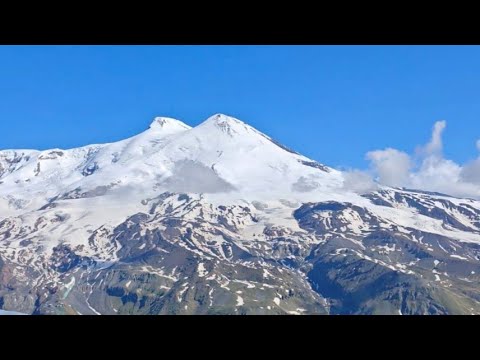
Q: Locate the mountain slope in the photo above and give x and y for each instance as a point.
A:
(220, 218)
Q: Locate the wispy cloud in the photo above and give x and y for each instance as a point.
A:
(427, 169)
(435, 146)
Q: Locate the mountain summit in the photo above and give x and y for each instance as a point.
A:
(222, 219)
(222, 150)
(168, 123)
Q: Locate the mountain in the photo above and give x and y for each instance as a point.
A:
(222, 219)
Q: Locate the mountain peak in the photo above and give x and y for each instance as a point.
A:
(161, 122)
(222, 118)
(227, 124)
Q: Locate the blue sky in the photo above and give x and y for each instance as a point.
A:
(331, 103)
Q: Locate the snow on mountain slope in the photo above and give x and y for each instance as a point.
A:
(101, 185)
(29, 178)
(242, 159)
(223, 193)
(223, 158)
(215, 157)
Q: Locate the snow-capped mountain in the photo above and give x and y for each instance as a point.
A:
(220, 218)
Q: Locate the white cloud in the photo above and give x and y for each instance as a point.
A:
(391, 166)
(428, 170)
(358, 181)
(471, 171)
(437, 174)
(435, 146)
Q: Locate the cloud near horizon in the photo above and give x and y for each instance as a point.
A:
(427, 169)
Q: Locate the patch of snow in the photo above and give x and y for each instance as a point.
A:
(249, 284)
(201, 270)
(458, 257)
(294, 313)
(266, 273)
(68, 287)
